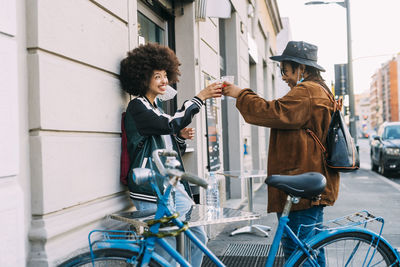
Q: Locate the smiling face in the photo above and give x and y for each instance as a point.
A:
(289, 75)
(158, 84)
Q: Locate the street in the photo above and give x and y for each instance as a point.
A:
(369, 190)
(360, 190)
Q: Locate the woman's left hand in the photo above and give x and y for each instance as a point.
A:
(187, 133)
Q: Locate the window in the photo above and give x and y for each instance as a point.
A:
(156, 25)
(149, 31)
(392, 132)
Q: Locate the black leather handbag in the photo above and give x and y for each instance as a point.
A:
(341, 153)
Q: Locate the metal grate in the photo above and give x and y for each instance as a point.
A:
(247, 255)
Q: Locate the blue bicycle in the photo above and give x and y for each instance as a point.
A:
(347, 243)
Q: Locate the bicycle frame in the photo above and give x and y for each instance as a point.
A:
(134, 247)
(162, 209)
(144, 247)
(283, 227)
(304, 246)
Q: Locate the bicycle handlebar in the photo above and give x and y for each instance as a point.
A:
(191, 178)
(156, 157)
(141, 175)
(194, 179)
(163, 153)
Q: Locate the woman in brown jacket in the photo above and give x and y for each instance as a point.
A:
(308, 105)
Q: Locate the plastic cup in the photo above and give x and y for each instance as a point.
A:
(229, 79)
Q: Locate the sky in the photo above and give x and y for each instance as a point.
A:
(374, 27)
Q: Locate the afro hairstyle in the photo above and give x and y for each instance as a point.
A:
(137, 68)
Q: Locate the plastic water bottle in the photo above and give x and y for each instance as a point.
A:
(212, 194)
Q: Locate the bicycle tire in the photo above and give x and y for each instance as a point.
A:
(105, 257)
(340, 246)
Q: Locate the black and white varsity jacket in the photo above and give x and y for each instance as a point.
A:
(149, 128)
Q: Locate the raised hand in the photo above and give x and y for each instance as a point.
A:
(213, 90)
(230, 89)
(187, 133)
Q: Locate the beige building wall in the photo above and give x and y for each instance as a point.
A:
(74, 113)
(12, 153)
(208, 40)
(268, 27)
(257, 23)
(75, 104)
(61, 107)
(197, 47)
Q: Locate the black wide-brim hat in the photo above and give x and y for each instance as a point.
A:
(300, 52)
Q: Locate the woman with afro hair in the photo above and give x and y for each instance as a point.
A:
(145, 73)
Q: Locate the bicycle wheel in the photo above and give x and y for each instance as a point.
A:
(105, 257)
(351, 249)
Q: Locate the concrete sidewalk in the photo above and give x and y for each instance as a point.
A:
(361, 190)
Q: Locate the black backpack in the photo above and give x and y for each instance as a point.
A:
(341, 153)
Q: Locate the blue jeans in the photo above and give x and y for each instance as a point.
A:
(182, 206)
(312, 215)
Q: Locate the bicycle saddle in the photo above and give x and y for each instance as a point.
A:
(307, 185)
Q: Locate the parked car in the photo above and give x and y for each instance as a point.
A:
(385, 148)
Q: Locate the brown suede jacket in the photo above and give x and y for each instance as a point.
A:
(291, 149)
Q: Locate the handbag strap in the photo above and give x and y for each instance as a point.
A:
(336, 105)
(314, 136)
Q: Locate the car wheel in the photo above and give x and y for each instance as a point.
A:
(374, 167)
(382, 169)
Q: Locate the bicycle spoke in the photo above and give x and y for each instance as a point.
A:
(351, 249)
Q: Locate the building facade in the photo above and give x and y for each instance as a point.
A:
(394, 89)
(363, 113)
(384, 93)
(61, 108)
(376, 108)
(14, 148)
